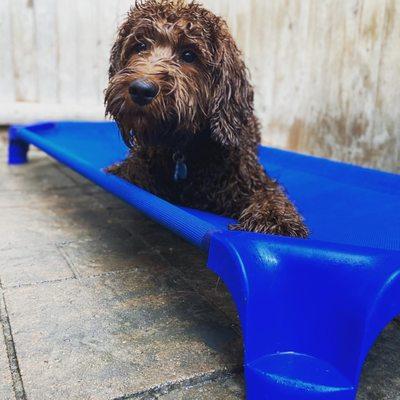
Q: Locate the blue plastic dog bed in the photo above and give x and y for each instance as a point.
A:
(310, 309)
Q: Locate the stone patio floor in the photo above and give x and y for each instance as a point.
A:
(99, 302)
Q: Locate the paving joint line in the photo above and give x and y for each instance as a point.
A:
(23, 285)
(13, 363)
(121, 271)
(43, 190)
(157, 391)
(60, 249)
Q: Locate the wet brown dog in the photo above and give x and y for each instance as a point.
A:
(180, 94)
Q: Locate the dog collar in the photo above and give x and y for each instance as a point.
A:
(180, 172)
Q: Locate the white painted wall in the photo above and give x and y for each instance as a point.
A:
(326, 72)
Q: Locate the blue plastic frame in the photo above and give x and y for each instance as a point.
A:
(310, 309)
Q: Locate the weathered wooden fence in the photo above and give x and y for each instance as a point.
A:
(326, 72)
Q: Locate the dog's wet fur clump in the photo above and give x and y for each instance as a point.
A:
(179, 89)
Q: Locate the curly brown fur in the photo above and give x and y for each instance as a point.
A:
(203, 110)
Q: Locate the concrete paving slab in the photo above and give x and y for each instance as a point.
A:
(38, 175)
(29, 265)
(97, 257)
(82, 223)
(64, 198)
(6, 388)
(153, 233)
(381, 375)
(192, 266)
(117, 334)
(22, 226)
(187, 259)
(77, 178)
(106, 199)
(27, 226)
(227, 389)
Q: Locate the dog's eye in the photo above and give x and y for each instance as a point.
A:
(139, 47)
(188, 56)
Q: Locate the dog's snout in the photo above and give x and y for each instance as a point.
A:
(143, 91)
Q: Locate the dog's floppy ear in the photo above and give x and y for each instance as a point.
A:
(232, 102)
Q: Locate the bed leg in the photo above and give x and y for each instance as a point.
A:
(306, 330)
(17, 148)
(291, 376)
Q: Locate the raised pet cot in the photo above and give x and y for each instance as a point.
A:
(310, 309)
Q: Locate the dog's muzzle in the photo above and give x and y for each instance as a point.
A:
(142, 91)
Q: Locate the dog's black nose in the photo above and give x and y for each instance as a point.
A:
(142, 91)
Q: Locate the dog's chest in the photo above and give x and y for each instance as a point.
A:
(185, 178)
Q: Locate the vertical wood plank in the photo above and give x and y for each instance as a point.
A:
(285, 52)
(385, 146)
(24, 50)
(108, 21)
(87, 63)
(67, 49)
(342, 120)
(266, 17)
(244, 22)
(7, 91)
(46, 50)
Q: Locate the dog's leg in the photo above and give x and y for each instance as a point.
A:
(125, 169)
(116, 169)
(134, 170)
(270, 211)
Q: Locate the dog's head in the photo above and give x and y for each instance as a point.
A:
(176, 71)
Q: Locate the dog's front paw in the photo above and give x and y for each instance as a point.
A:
(284, 227)
(115, 169)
